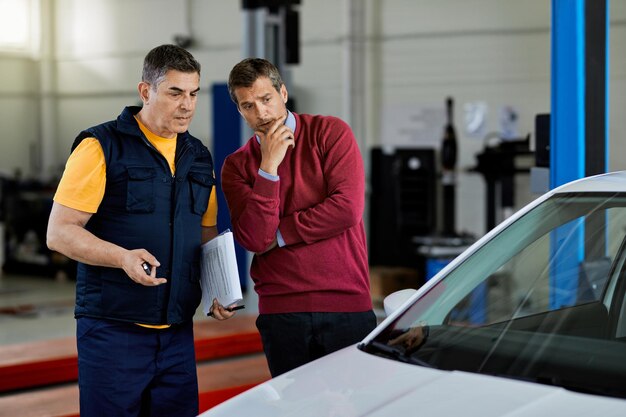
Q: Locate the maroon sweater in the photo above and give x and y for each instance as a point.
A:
(317, 205)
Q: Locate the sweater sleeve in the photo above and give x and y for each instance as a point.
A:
(343, 206)
(253, 204)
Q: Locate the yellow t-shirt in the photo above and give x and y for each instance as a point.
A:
(84, 179)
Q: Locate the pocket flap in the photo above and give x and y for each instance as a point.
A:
(141, 173)
(200, 178)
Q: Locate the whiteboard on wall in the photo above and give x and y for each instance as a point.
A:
(412, 125)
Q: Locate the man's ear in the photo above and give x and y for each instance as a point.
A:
(283, 93)
(144, 91)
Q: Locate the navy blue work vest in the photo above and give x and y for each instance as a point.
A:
(144, 206)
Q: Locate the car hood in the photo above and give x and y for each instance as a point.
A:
(352, 383)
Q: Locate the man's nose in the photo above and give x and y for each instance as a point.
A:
(187, 103)
(260, 112)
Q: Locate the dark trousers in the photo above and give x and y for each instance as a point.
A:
(293, 339)
(126, 370)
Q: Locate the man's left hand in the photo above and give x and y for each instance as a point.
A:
(219, 312)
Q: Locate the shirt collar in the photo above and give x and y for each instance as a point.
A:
(290, 123)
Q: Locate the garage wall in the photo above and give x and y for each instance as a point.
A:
(416, 53)
(19, 113)
(499, 56)
(617, 86)
(99, 60)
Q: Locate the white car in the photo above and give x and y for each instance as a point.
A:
(528, 321)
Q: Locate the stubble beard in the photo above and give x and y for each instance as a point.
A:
(264, 126)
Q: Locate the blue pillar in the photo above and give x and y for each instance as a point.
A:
(567, 135)
(226, 140)
(567, 130)
(579, 123)
(579, 90)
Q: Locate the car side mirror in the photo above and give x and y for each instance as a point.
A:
(394, 300)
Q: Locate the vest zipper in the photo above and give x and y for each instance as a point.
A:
(151, 146)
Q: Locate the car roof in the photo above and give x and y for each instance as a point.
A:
(612, 182)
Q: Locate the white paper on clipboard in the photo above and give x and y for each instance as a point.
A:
(219, 275)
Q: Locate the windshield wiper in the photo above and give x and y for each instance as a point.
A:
(396, 353)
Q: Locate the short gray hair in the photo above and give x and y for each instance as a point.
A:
(164, 58)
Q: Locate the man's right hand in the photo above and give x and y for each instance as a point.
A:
(132, 265)
(274, 145)
(67, 235)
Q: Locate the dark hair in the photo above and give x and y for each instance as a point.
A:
(164, 58)
(245, 73)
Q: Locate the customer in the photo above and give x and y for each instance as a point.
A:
(296, 195)
(139, 190)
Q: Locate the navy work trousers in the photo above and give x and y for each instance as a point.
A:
(293, 339)
(126, 370)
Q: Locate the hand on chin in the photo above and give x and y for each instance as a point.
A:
(264, 127)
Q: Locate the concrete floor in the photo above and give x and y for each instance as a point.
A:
(35, 308)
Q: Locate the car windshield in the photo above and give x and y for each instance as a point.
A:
(542, 301)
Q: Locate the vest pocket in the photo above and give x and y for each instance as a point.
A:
(140, 190)
(201, 184)
(124, 298)
(189, 287)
